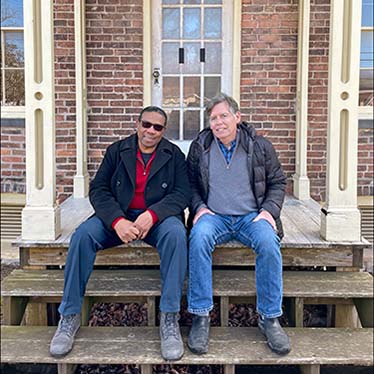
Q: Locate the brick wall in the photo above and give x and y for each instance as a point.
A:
(13, 159)
(268, 81)
(317, 96)
(115, 86)
(114, 51)
(65, 96)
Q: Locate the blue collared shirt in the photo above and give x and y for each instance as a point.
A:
(227, 153)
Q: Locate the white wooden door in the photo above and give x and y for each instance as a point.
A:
(191, 60)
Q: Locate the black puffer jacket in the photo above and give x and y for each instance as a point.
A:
(267, 179)
(167, 190)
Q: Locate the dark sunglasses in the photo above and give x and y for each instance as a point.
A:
(148, 125)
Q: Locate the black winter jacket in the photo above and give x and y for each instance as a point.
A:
(267, 179)
(167, 190)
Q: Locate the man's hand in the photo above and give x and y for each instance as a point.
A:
(126, 230)
(200, 213)
(144, 223)
(264, 214)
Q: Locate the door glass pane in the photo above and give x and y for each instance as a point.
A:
(14, 87)
(212, 86)
(14, 51)
(170, 23)
(11, 13)
(367, 13)
(170, 91)
(191, 124)
(191, 23)
(170, 62)
(191, 92)
(212, 23)
(191, 58)
(212, 58)
(172, 128)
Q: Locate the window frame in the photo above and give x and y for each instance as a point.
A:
(10, 111)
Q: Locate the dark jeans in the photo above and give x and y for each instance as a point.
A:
(169, 237)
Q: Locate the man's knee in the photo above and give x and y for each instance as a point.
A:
(267, 245)
(174, 229)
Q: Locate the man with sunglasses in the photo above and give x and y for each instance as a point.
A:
(140, 191)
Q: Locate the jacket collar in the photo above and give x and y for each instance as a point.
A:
(129, 148)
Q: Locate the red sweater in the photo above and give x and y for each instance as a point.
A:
(142, 173)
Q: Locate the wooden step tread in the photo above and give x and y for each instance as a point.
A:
(230, 345)
(146, 282)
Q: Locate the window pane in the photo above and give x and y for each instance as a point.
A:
(191, 58)
(367, 50)
(191, 92)
(170, 62)
(212, 86)
(192, 1)
(191, 124)
(14, 87)
(191, 23)
(212, 23)
(11, 13)
(366, 87)
(170, 1)
(14, 51)
(172, 129)
(212, 58)
(367, 13)
(170, 23)
(213, 1)
(170, 91)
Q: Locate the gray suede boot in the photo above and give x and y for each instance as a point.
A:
(171, 340)
(277, 339)
(63, 340)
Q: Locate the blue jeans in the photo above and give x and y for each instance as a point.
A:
(169, 237)
(211, 230)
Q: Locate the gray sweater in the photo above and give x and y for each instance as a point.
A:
(230, 191)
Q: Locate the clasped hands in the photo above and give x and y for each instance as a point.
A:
(129, 231)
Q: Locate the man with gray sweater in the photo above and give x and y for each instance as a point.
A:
(238, 190)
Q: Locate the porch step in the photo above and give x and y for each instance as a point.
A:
(228, 346)
(346, 289)
(146, 282)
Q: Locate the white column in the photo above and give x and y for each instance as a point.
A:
(81, 179)
(340, 218)
(41, 216)
(301, 188)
